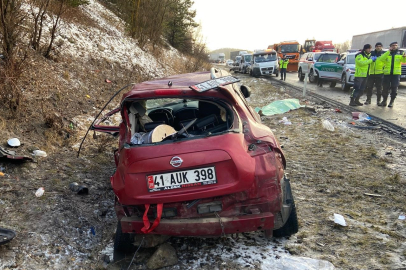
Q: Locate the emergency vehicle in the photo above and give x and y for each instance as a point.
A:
(320, 65)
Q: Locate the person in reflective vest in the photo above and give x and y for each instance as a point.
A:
(393, 60)
(362, 62)
(283, 64)
(375, 76)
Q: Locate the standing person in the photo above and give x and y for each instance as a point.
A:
(375, 76)
(362, 61)
(393, 60)
(283, 64)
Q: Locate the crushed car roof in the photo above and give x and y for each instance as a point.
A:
(178, 82)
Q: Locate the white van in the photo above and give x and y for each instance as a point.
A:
(264, 63)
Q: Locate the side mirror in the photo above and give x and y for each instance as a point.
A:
(341, 62)
(246, 91)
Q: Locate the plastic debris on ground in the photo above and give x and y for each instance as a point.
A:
(360, 116)
(285, 121)
(327, 125)
(339, 219)
(402, 217)
(80, 190)
(279, 107)
(14, 142)
(40, 192)
(39, 153)
(11, 156)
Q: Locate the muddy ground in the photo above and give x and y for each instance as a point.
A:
(330, 172)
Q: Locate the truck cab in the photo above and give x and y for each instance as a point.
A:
(264, 63)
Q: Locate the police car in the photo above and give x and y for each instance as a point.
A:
(320, 65)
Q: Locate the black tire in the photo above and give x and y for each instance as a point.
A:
(301, 76)
(291, 226)
(123, 244)
(344, 85)
(277, 74)
(333, 84)
(251, 72)
(312, 77)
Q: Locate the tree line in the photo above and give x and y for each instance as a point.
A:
(151, 22)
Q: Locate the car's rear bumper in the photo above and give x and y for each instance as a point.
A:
(211, 226)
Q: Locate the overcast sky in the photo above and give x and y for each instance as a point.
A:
(255, 24)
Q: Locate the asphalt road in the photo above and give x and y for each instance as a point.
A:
(395, 115)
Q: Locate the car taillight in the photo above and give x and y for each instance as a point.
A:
(168, 92)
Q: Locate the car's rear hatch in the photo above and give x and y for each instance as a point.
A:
(185, 170)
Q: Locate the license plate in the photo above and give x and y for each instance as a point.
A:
(266, 72)
(181, 179)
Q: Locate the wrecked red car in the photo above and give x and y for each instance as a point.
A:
(195, 160)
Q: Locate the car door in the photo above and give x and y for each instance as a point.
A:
(327, 67)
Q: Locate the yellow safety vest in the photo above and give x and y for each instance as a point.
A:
(283, 63)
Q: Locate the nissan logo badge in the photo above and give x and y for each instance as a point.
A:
(176, 161)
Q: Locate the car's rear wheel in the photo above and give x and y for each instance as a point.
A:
(277, 74)
(123, 244)
(333, 84)
(291, 225)
(301, 76)
(344, 85)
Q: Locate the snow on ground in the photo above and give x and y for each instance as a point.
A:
(106, 41)
(251, 251)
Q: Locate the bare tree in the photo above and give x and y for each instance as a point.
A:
(11, 64)
(343, 47)
(11, 17)
(60, 8)
(39, 9)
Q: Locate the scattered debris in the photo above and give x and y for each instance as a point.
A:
(360, 116)
(39, 153)
(11, 155)
(87, 96)
(327, 125)
(339, 219)
(372, 195)
(338, 110)
(402, 217)
(285, 121)
(80, 190)
(40, 192)
(107, 81)
(2, 174)
(6, 235)
(14, 142)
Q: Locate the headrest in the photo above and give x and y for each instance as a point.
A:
(137, 108)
